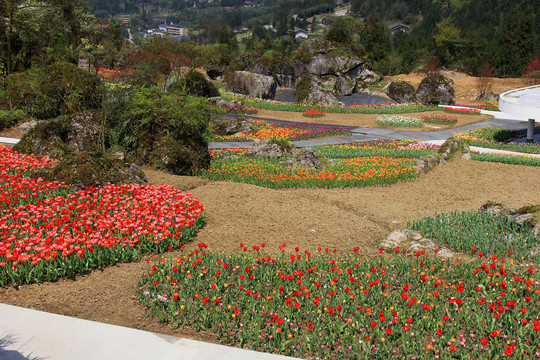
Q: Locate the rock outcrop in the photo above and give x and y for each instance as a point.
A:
(251, 84)
(306, 158)
(233, 127)
(412, 242)
(435, 89)
(343, 86)
(401, 91)
(310, 90)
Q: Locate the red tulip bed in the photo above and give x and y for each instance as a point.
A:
(48, 231)
(332, 305)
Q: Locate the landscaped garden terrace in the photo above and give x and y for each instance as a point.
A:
(330, 303)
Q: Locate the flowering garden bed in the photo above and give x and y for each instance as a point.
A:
(333, 305)
(386, 108)
(349, 172)
(48, 231)
(288, 131)
(496, 138)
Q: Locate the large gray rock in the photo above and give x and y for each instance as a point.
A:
(236, 126)
(269, 149)
(343, 86)
(369, 77)
(435, 89)
(310, 90)
(305, 158)
(220, 102)
(401, 91)
(251, 84)
(328, 65)
(262, 69)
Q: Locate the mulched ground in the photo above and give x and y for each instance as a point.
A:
(307, 218)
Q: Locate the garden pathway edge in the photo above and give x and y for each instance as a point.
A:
(36, 335)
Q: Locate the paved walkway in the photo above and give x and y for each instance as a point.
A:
(36, 335)
(366, 133)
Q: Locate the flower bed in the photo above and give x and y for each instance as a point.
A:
(382, 147)
(439, 119)
(313, 113)
(339, 307)
(399, 121)
(287, 131)
(360, 171)
(386, 108)
(48, 232)
(462, 111)
(495, 138)
(481, 106)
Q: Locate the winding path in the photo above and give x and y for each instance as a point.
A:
(366, 133)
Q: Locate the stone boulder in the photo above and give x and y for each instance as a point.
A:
(310, 90)
(233, 127)
(57, 137)
(321, 65)
(262, 69)
(369, 77)
(81, 169)
(435, 89)
(343, 86)
(251, 84)
(411, 242)
(306, 158)
(401, 91)
(270, 149)
(489, 96)
(220, 102)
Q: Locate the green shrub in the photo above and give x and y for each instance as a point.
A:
(194, 84)
(9, 118)
(162, 129)
(53, 90)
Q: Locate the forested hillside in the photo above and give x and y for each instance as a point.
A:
(499, 36)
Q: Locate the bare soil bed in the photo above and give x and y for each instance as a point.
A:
(370, 120)
(465, 86)
(307, 218)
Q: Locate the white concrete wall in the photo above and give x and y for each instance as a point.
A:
(523, 103)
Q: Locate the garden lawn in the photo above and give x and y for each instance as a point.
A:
(370, 120)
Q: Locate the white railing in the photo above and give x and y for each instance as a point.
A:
(523, 103)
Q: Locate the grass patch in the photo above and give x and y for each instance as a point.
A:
(496, 138)
(480, 231)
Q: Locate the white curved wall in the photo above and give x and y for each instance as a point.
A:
(523, 103)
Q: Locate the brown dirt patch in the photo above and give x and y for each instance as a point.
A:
(370, 120)
(307, 218)
(465, 86)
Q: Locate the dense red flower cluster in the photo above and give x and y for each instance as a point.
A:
(46, 231)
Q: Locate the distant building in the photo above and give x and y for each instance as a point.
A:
(176, 30)
(300, 34)
(124, 19)
(398, 28)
